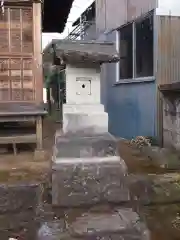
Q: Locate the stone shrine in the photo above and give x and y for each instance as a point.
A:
(83, 110)
(86, 167)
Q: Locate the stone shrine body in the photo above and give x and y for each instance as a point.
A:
(83, 111)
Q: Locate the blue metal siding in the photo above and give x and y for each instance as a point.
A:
(131, 109)
(131, 106)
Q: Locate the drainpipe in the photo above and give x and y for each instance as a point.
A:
(105, 16)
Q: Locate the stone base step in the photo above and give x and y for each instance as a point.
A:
(88, 181)
(121, 224)
(86, 170)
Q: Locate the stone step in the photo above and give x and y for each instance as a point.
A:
(86, 170)
(75, 146)
(121, 224)
(87, 181)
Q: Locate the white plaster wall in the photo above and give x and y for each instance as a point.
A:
(168, 7)
(71, 85)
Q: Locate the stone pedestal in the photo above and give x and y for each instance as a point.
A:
(85, 118)
(87, 170)
(86, 166)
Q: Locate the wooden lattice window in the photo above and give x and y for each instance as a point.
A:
(16, 30)
(16, 54)
(16, 79)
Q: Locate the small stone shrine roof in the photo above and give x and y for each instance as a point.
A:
(85, 51)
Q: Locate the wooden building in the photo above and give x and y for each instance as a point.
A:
(21, 80)
(21, 75)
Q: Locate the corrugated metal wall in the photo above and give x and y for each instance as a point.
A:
(100, 15)
(136, 8)
(132, 106)
(114, 13)
(168, 47)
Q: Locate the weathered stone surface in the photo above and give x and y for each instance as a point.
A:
(162, 157)
(122, 224)
(92, 122)
(87, 170)
(21, 225)
(14, 198)
(10, 221)
(51, 230)
(79, 146)
(88, 181)
(153, 189)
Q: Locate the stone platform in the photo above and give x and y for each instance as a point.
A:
(118, 224)
(87, 170)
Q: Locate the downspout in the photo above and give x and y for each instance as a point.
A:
(105, 16)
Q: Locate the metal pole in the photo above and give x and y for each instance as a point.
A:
(134, 49)
(81, 28)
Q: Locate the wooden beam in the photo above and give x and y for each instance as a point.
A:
(37, 35)
(22, 1)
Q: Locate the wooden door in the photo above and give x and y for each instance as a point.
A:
(16, 55)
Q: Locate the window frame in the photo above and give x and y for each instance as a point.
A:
(118, 32)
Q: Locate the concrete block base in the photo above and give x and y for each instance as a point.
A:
(87, 118)
(85, 181)
(86, 171)
(93, 123)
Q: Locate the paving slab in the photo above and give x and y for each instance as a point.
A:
(121, 224)
(154, 189)
(16, 197)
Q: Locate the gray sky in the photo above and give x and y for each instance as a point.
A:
(78, 7)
